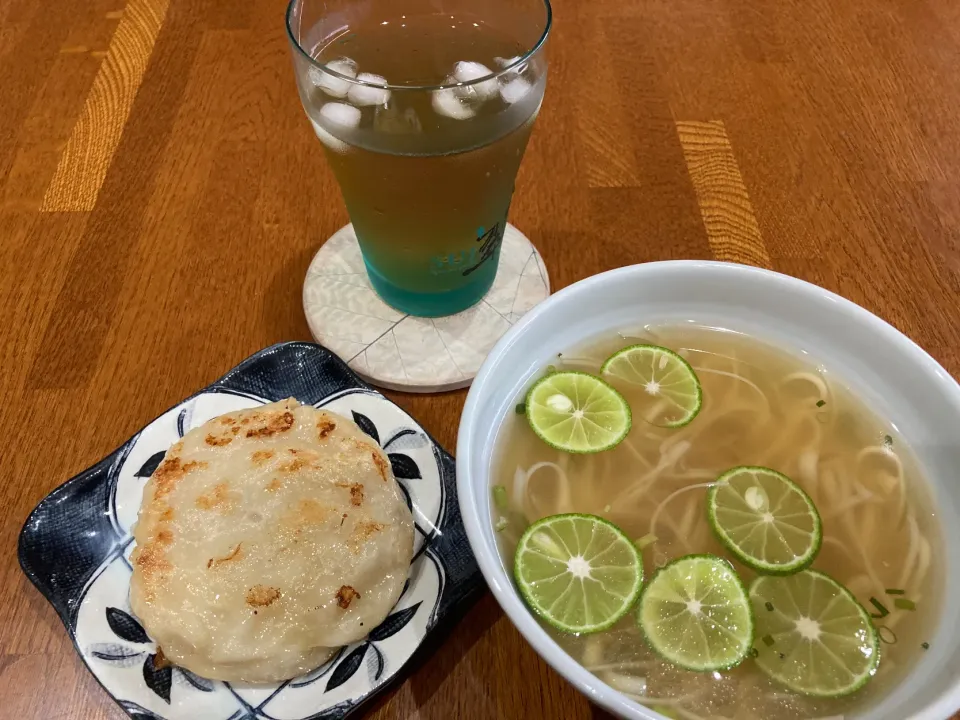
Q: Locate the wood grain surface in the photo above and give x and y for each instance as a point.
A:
(161, 195)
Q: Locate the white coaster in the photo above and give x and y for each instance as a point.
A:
(401, 352)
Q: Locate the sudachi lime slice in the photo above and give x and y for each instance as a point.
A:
(765, 519)
(812, 634)
(579, 573)
(695, 613)
(671, 391)
(577, 412)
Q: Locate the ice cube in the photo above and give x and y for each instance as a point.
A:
(504, 63)
(363, 95)
(449, 103)
(338, 146)
(468, 72)
(344, 66)
(515, 90)
(339, 115)
(331, 84)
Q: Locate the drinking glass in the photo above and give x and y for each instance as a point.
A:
(424, 109)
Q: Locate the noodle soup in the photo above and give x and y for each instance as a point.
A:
(759, 407)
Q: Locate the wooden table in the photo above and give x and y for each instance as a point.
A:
(161, 195)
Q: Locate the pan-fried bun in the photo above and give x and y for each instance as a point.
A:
(266, 537)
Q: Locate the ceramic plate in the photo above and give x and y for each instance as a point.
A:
(76, 544)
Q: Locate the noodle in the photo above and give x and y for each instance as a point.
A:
(627, 684)
(521, 489)
(736, 377)
(822, 392)
(656, 514)
(887, 454)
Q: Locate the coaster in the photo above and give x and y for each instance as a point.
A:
(401, 352)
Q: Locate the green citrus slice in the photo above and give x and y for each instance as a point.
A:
(765, 519)
(580, 573)
(813, 635)
(671, 391)
(695, 613)
(577, 412)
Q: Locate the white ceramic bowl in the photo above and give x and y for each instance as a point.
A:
(882, 366)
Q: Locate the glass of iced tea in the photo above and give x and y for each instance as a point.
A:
(424, 109)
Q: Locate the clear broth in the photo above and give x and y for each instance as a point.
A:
(760, 407)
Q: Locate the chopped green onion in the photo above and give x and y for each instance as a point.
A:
(925, 645)
(665, 710)
(905, 604)
(500, 498)
(769, 606)
(895, 591)
(767, 640)
(502, 524)
(887, 440)
(645, 541)
(821, 403)
(887, 635)
(881, 610)
(521, 409)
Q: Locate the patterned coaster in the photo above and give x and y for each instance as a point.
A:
(402, 352)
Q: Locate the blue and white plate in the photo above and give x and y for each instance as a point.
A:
(76, 544)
